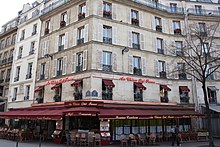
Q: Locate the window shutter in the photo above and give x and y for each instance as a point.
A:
(85, 56)
(142, 41)
(54, 67)
(167, 69)
(56, 44)
(115, 35)
(130, 64)
(46, 47)
(141, 19)
(153, 25)
(143, 66)
(155, 45)
(87, 9)
(66, 18)
(99, 60)
(66, 40)
(64, 65)
(86, 31)
(129, 16)
(114, 11)
(129, 39)
(75, 13)
(114, 62)
(42, 49)
(163, 22)
(100, 9)
(100, 32)
(164, 47)
(156, 68)
(38, 72)
(74, 63)
(74, 36)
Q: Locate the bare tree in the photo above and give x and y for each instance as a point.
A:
(201, 55)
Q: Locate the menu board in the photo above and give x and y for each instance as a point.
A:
(104, 126)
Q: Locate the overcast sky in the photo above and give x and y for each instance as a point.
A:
(9, 9)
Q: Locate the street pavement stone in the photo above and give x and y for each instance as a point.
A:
(8, 143)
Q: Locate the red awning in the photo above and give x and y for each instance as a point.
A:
(39, 88)
(55, 86)
(184, 89)
(140, 86)
(165, 87)
(82, 111)
(108, 83)
(76, 83)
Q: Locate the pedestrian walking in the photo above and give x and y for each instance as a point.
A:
(175, 136)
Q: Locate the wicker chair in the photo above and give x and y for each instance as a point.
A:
(97, 139)
(83, 139)
(133, 140)
(123, 140)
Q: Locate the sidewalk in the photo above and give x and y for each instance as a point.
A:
(8, 143)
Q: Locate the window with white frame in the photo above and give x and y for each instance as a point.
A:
(13, 39)
(202, 27)
(137, 65)
(27, 92)
(179, 48)
(158, 24)
(29, 70)
(47, 27)
(205, 48)
(135, 40)
(176, 27)
(134, 17)
(107, 10)
(20, 52)
(15, 92)
(198, 9)
(63, 19)
(61, 42)
(160, 46)
(17, 74)
(22, 35)
(82, 11)
(106, 61)
(107, 34)
(173, 7)
(162, 68)
(32, 48)
(59, 66)
(81, 37)
(79, 61)
(8, 41)
(34, 29)
(42, 71)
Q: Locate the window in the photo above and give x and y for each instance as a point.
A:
(137, 65)
(184, 94)
(59, 66)
(47, 27)
(107, 34)
(5, 56)
(164, 93)
(173, 7)
(0, 57)
(179, 48)
(212, 94)
(78, 87)
(8, 74)
(29, 71)
(27, 92)
(2, 44)
(17, 74)
(82, 11)
(158, 24)
(61, 42)
(135, 40)
(34, 29)
(15, 94)
(138, 91)
(8, 41)
(160, 46)
(32, 48)
(209, 72)
(13, 39)
(177, 28)
(20, 52)
(205, 49)
(81, 33)
(2, 76)
(202, 29)
(181, 71)
(42, 71)
(107, 9)
(79, 63)
(58, 93)
(11, 55)
(63, 19)
(134, 18)
(106, 61)
(198, 9)
(107, 86)
(162, 68)
(22, 35)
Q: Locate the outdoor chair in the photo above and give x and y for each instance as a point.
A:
(97, 139)
(132, 139)
(123, 140)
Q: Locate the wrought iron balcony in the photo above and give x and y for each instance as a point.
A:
(177, 32)
(179, 53)
(135, 21)
(42, 77)
(138, 97)
(184, 100)
(62, 24)
(79, 68)
(31, 52)
(106, 67)
(182, 76)
(54, 6)
(107, 95)
(28, 76)
(16, 79)
(163, 74)
(204, 12)
(80, 41)
(10, 59)
(107, 40)
(164, 99)
(137, 71)
(81, 16)
(59, 72)
(60, 48)
(46, 31)
(19, 56)
(26, 97)
(107, 14)
(160, 51)
(77, 95)
(159, 28)
(135, 46)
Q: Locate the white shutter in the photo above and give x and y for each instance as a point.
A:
(99, 8)
(115, 35)
(46, 47)
(74, 63)
(153, 25)
(154, 44)
(56, 44)
(142, 41)
(114, 62)
(163, 24)
(100, 33)
(47, 66)
(64, 65)
(87, 9)
(165, 47)
(99, 60)
(141, 23)
(129, 15)
(66, 40)
(143, 66)
(85, 56)
(42, 49)
(156, 68)
(54, 67)
(86, 33)
(114, 11)
(74, 36)
(75, 13)
(38, 72)
(129, 39)
(130, 64)
(66, 19)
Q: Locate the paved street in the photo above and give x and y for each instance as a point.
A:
(6, 143)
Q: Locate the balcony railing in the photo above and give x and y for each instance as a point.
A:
(137, 71)
(16, 79)
(7, 79)
(107, 95)
(136, 46)
(60, 48)
(10, 59)
(81, 16)
(164, 99)
(182, 76)
(177, 32)
(59, 72)
(160, 51)
(34, 33)
(179, 53)
(107, 40)
(138, 97)
(107, 14)
(106, 67)
(212, 100)
(79, 68)
(19, 56)
(135, 21)
(26, 97)
(42, 77)
(184, 100)
(204, 12)
(28, 76)
(77, 95)
(163, 74)
(158, 28)
(4, 61)
(158, 6)
(31, 52)
(80, 41)
(46, 31)
(62, 24)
